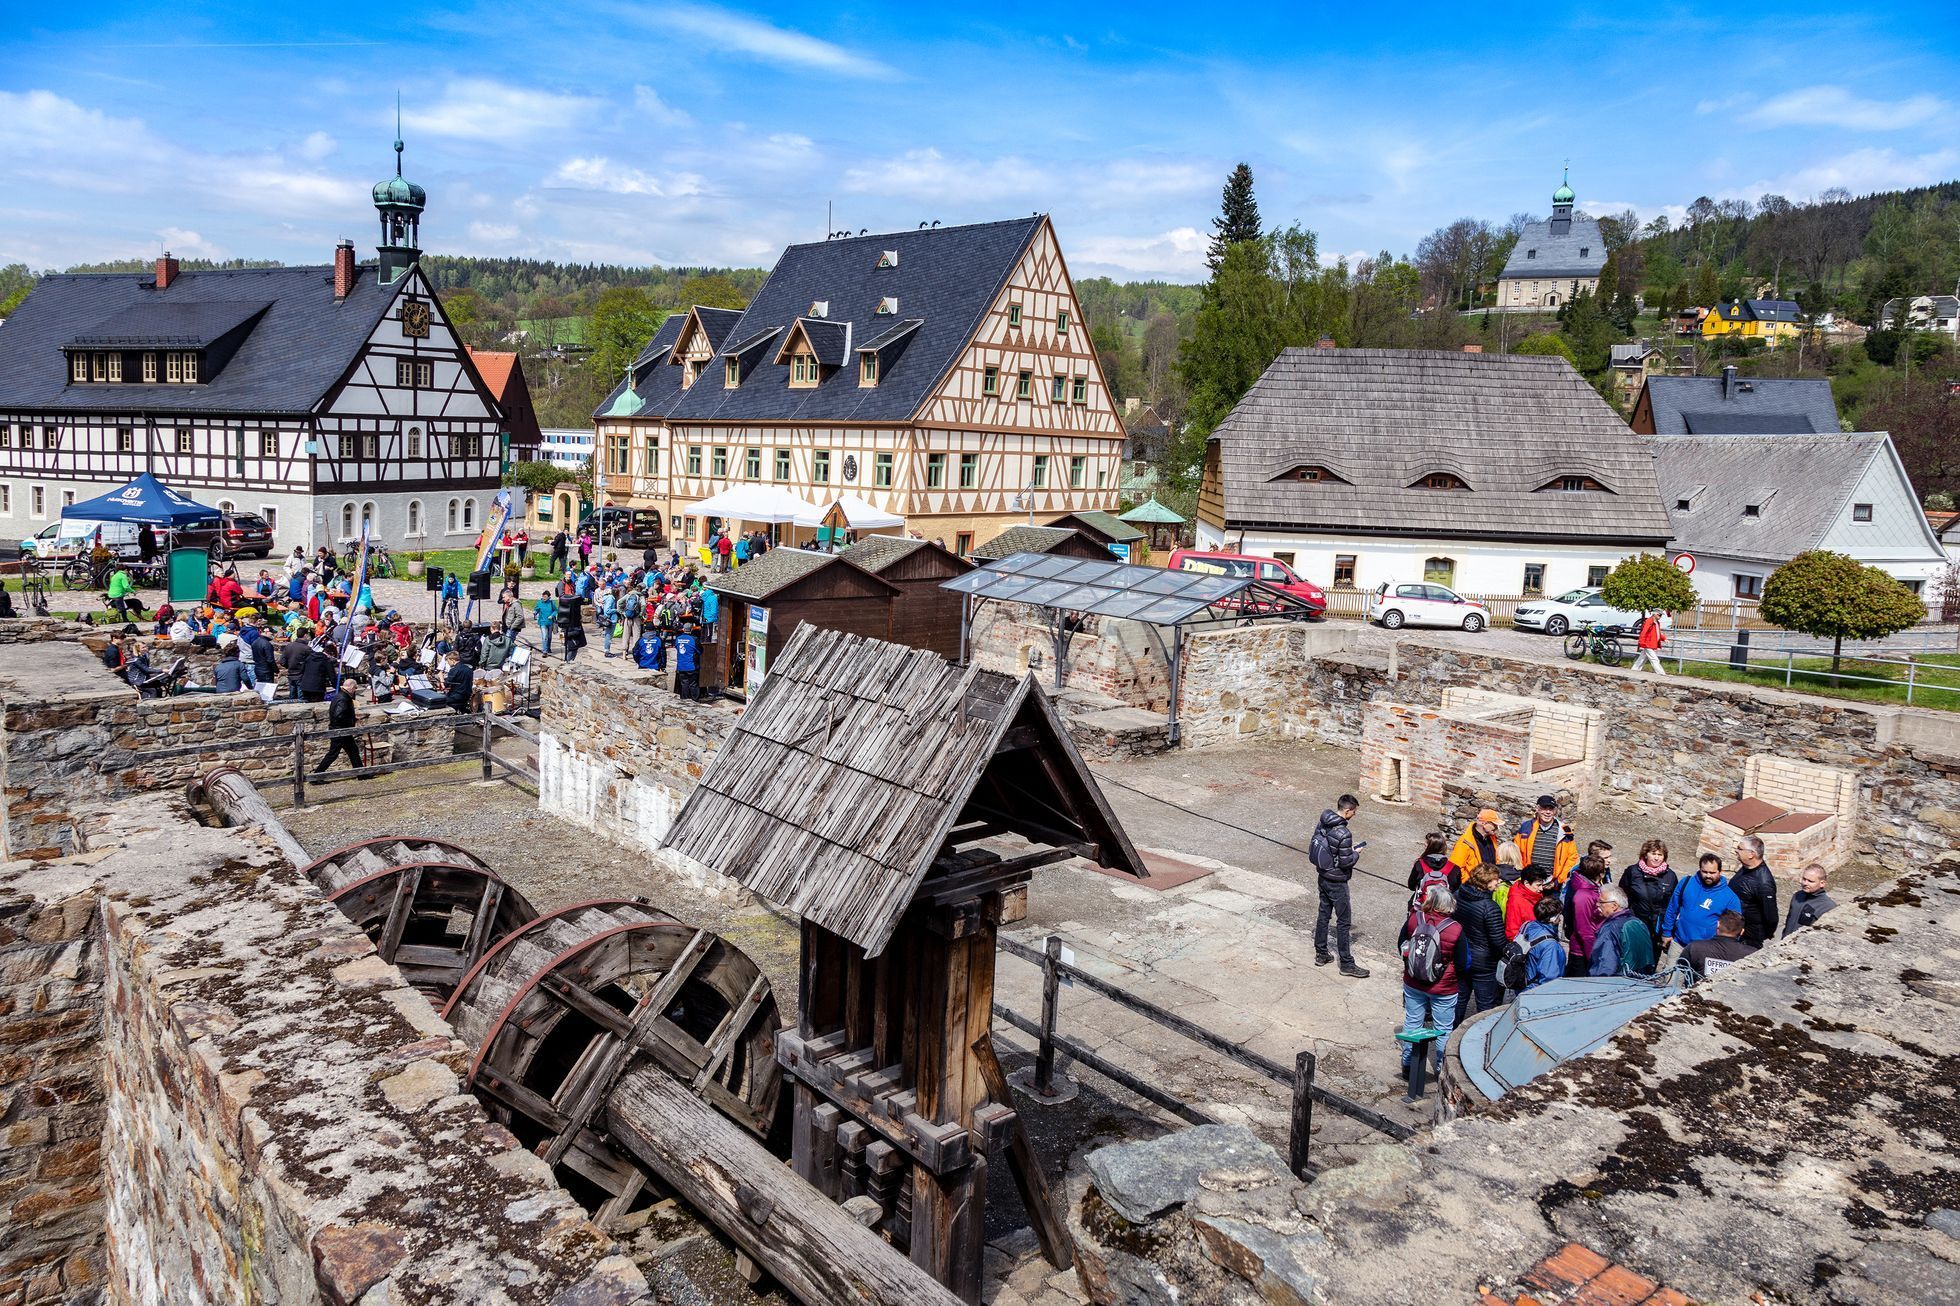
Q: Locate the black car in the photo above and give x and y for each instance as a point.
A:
(630, 528)
(243, 535)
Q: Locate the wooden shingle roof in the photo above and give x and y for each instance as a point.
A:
(845, 778)
(1382, 419)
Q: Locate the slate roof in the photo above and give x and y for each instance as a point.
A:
(717, 323)
(1021, 539)
(1800, 482)
(657, 385)
(1761, 310)
(288, 361)
(1107, 524)
(1558, 244)
(1381, 419)
(1697, 405)
(947, 277)
(157, 325)
(775, 570)
(831, 341)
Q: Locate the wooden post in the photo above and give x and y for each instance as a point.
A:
(1051, 979)
(487, 773)
(1302, 1131)
(299, 767)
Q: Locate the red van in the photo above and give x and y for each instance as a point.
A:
(1253, 567)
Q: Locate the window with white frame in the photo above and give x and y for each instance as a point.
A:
(125, 440)
(455, 515)
(226, 505)
(271, 514)
(268, 444)
(67, 498)
(347, 446)
(6, 497)
(370, 444)
(185, 441)
(469, 514)
(38, 495)
(78, 367)
(415, 515)
(370, 518)
(150, 368)
(346, 521)
(414, 442)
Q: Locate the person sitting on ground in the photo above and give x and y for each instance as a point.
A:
(1521, 904)
(1809, 903)
(1698, 903)
(1433, 867)
(1706, 956)
(1477, 845)
(1544, 840)
(1621, 944)
(148, 682)
(1435, 959)
(1538, 940)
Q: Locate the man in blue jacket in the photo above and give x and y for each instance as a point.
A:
(1697, 905)
(687, 663)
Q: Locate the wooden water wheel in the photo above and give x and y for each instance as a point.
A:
(557, 1010)
(432, 908)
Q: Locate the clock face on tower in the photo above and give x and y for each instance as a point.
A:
(415, 319)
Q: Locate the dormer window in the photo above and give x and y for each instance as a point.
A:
(887, 306)
(690, 370)
(867, 370)
(1584, 251)
(802, 370)
(1680, 505)
(1575, 484)
(1312, 472)
(150, 368)
(1440, 481)
(1531, 253)
(78, 367)
(819, 308)
(1752, 510)
(888, 259)
(731, 373)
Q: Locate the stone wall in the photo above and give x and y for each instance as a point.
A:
(617, 754)
(1669, 745)
(1107, 655)
(51, 1110)
(254, 1107)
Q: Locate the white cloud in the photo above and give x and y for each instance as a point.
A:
(740, 34)
(1175, 255)
(603, 174)
(1833, 106)
(493, 234)
(1861, 172)
(479, 109)
(317, 146)
(647, 101)
(929, 175)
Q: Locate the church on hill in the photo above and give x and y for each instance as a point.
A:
(1553, 261)
(317, 397)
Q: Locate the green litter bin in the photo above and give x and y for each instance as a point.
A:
(190, 575)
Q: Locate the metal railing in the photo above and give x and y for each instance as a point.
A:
(1299, 1079)
(1916, 678)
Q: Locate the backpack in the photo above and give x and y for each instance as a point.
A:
(1514, 966)
(1317, 851)
(1422, 951)
(1431, 878)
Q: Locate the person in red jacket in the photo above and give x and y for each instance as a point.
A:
(1522, 901)
(1649, 643)
(1433, 967)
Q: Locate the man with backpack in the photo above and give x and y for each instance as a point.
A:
(1535, 957)
(1334, 855)
(1698, 904)
(1435, 959)
(1622, 944)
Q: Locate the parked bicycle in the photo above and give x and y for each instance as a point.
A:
(1596, 641)
(34, 585)
(380, 562)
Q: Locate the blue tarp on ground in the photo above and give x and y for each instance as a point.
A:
(1553, 1023)
(145, 499)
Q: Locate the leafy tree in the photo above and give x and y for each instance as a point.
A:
(539, 476)
(1586, 328)
(1923, 418)
(713, 290)
(12, 300)
(1238, 218)
(1837, 598)
(1546, 343)
(1242, 323)
(622, 323)
(1648, 582)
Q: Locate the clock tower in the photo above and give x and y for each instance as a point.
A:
(399, 202)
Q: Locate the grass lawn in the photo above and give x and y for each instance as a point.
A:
(1936, 679)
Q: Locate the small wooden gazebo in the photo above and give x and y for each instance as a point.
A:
(899, 805)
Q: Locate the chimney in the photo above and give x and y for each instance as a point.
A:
(166, 271)
(343, 270)
(1130, 403)
(1325, 342)
(1728, 382)
(1473, 349)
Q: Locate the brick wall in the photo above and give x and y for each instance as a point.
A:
(1117, 658)
(51, 1113)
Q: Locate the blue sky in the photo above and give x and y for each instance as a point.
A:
(600, 130)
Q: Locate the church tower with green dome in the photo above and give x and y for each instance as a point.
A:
(400, 203)
(1562, 203)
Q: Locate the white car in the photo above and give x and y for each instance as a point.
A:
(1426, 604)
(1576, 610)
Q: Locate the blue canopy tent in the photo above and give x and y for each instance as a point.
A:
(145, 499)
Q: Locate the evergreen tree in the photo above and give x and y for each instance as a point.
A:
(1707, 290)
(1243, 322)
(1238, 217)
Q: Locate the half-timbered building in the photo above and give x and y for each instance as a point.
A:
(315, 396)
(943, 374)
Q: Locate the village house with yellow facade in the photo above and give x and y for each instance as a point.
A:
(943, 374)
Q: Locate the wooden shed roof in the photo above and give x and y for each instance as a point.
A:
(844, 781)
(764, 578)
(888, 555)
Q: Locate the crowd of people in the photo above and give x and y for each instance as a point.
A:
(1491, 916)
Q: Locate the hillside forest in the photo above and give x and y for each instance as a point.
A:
(1193, 350)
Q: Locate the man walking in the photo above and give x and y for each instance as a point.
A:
(1648, 643)
(1335, 854)
(1755, 884)
(1809, 903)
(340, 718)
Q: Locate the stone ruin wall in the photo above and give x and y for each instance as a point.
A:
(1670, 745)
(1117, 658)
(619, 755)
